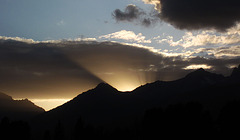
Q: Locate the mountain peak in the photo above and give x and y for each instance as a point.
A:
(104, 87)
(103, 84)
(18, 109)
(236, 72)
(201, 74)
(198, 72)
(200, 69)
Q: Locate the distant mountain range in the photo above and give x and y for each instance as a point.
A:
(18, 109)
(107, 107)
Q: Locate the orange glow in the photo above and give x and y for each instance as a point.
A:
(117, 71)
(127, 80)
(126, 87)
(198, 67)
(48, 104)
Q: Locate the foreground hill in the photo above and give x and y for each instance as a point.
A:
(17, 109)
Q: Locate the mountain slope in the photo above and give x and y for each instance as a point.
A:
(17, 109)
(235, 76)
(106, 106)
(101, 106)
(164, 92)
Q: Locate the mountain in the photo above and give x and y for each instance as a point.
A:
(165, 92)
(236, 72)
(235, 76)
(101, 106)
(5, 97)
(107, 107)
(197, 79)
(17, 109)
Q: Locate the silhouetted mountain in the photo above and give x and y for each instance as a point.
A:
(235, 76)
(106, 106)
(197, 79)
(101, 106)
(5, 97)
(104, 87)
(204, 77)
(236, 72)
(17, 109)
(163, 93)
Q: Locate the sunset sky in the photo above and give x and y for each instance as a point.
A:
(53, 50)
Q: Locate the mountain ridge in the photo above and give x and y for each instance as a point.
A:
(5, 96)
(106, 106)
(18, 109)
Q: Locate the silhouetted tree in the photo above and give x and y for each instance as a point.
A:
(187, 121)
(229, 120)
(153, 124)
(20, 130)
(79, 130)
(47, 135)
(59, 132)
(83, 131)
(14, 130)
(5, 128)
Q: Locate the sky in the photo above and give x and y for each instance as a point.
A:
(51, 51)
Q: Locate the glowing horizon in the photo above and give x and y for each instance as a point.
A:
(49, 104)
(117, 71)
(46, 104)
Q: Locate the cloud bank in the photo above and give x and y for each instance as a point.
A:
(66, 68)
(205, 38)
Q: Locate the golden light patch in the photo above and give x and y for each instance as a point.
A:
(49, 104)
(197, 67)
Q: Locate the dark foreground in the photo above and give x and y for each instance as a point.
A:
(188, 121)
(201, 105)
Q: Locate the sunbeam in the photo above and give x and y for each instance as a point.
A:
(120, 69)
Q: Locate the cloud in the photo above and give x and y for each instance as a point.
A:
(198, 14)
(85, 39)
(197, 67)
(66, 67)
(205, 38)
(127, 36)
(19, 39)
(154, 2)
(231, 52)
(220, 52)
(132, 13)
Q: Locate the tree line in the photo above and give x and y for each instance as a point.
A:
(188, 121)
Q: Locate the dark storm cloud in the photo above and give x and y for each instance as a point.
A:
(66, 68)
(132, 13)
(200, 14)
(185, 14)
